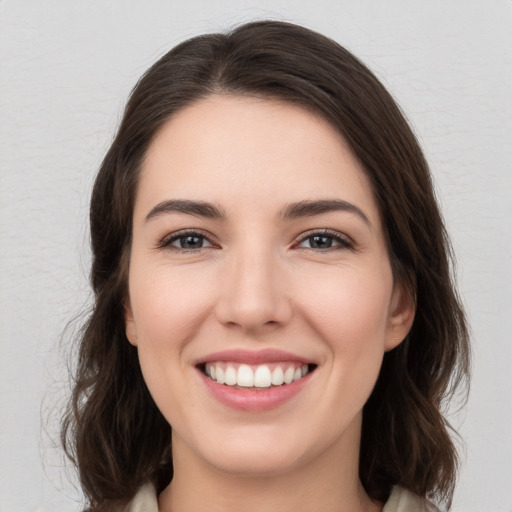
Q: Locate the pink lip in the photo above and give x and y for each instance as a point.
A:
(251, 399)
(254, 400)
(268, 355)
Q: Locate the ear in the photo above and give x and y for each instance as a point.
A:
(401, 315)
(129, 323)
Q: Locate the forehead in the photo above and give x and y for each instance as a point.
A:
(253, 151)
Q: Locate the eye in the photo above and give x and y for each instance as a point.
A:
(324, 240)
(188, 240)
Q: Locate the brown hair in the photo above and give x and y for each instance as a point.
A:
(112, 430)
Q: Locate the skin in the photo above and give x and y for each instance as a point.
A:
(259, 281)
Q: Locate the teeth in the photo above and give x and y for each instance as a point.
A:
(256, 376)
(289, 374)
(277, 376)
(262, 377)
(230, 376)
(219, 375)
(245, 376)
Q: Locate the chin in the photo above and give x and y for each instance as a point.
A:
(258, 453)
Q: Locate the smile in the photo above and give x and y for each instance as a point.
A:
(255, 381)
(261, 376)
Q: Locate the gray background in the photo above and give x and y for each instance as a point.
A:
(66, 69)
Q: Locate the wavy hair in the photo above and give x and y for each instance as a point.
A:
(112, 429)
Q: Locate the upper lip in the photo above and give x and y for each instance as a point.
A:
(268, 355)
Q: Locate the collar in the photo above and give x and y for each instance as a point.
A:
(401, 500)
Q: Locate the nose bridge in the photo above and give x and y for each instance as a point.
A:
(254, 294)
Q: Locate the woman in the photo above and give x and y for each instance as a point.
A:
(275, 325)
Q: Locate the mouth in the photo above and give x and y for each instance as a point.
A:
(261, 376)
(255, 381)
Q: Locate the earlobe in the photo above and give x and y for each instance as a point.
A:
(401, 318)
(129, 323)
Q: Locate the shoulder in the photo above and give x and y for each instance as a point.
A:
(402, 500)
(144, 501)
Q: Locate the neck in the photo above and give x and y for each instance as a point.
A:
(329, 483)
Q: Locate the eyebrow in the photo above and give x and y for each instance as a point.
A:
(310, 208)
(306, 208)
(196, 208)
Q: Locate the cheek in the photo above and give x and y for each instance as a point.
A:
(349, 308)
(168, 306)
(349, 311)
(168, 309)
(353, 325)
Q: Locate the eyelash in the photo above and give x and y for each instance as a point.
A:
(166, 243)
(342, 241)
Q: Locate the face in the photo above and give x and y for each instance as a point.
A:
(261, 298)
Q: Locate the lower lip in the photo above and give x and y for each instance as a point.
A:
(251, 399)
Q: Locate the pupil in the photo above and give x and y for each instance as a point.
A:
(191, 242)
(321, 242)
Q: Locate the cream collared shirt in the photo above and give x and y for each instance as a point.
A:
(401, 500)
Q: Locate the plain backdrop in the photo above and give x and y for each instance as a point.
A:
(66, 68)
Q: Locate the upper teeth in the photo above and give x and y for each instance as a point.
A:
(260, 376)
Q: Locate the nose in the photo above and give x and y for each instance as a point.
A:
(254, 295)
